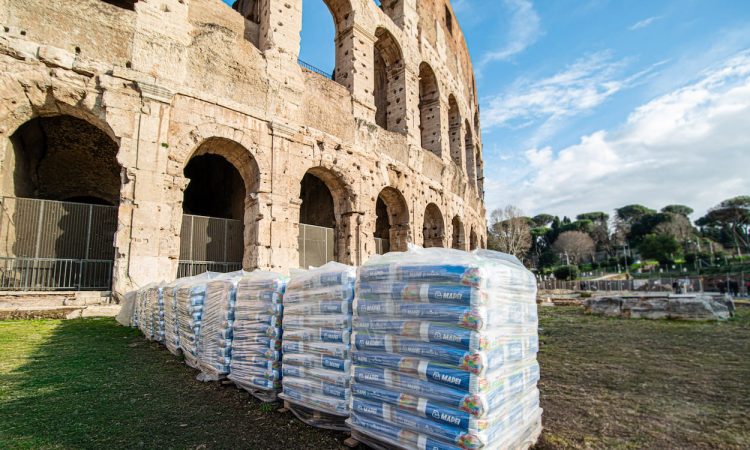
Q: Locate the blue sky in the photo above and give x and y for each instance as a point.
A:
(593, 104)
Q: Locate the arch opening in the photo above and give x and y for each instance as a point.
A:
(322, 37)
(479, 172)
(218, 222)
(392, 230)
(454, 129)
(433, 230)
(458, 240)
(61, 190)
(388, 90)
(429, 110)
(469, 151)
(323, 228)
(473, 241)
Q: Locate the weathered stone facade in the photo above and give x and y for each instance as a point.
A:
(168, 80)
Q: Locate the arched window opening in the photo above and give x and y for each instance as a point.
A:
(454, 130)
(473, 240)
(322, 46)
(213, 237)
(249, 9)
(476, 121)
(124, 4)
(392, 231)
(448, 20)
(60, 187)
(389, 90)
(317, 218)
(469, 152)
(433, 230)
(479, 172)
(429, 110)
(458, 240)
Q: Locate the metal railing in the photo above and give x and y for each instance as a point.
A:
(210, 244)
(52, 245)
(192, 268)
(312, 68)
(663, 284)
(54, 274)
(316, 245)
(382, 246)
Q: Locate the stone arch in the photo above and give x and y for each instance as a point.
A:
(433, 230)
(316, 186)
(476, 121)
(454, 129)
(392, 219)
(224, 181)
(458, 240)
(429, 110)
(389, 82)
(343, 45)
(64, 177)
(473, 241)
(180, 154)
(469, 151)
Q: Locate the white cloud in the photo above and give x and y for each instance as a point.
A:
(689, 146)
(579, 88)
(644, 23)
(524, 30)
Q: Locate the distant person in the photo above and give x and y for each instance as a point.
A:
(675, 287)
(722, 287)
(735, 288)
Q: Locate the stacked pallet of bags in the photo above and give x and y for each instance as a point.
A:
(190, 297)
(215, 341)
(444, 351)
(171, 310)
(155, 312)
(256, 340)
(316, 344)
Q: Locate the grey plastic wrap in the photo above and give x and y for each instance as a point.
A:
(127, 309)
(215, 342)
(444, 347)
(256, 342)
(316, 344)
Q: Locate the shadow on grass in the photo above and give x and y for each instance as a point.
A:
(90, 383)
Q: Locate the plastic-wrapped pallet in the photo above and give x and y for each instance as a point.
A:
(190, 297)
(215, 341)
(171, 311)
(144, 311)
(256, 340)
(444, 351)
(316, 344)
(155, 312)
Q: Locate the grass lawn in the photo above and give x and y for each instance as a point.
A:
(90, 383)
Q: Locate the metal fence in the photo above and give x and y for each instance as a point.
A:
(382, 246)
(210, 244)
(312, 68)
(316, 245)
(665, 284)
(52, 245)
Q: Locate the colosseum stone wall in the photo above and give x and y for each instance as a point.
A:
(161, 108)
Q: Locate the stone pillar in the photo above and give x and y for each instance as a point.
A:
(355, 69)
(350, 238)
(147, 240)
(397, 98)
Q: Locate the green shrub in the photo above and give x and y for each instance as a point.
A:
(567, 273)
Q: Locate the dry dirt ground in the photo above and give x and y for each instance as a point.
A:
(618, 383)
